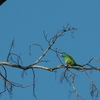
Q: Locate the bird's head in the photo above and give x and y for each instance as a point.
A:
(63, 54)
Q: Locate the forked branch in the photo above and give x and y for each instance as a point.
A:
(70, 77)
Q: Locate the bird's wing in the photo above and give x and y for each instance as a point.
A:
(71, 58)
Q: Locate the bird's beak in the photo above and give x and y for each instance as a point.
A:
(60, 54)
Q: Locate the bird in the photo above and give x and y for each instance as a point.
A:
(69, 59)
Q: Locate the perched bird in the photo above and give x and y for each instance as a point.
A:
(68, 59)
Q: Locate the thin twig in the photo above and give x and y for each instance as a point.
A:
(35, 45)
(73, 86)
(34, 83)
(12, 45)
(94, 89)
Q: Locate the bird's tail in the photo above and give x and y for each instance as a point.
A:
(78, 65)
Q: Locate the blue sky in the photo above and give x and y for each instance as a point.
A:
(25, 21)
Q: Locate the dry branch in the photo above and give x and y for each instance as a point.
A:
(10, 62)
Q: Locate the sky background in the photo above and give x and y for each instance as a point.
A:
(25, 21)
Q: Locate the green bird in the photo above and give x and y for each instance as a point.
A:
(68, 59)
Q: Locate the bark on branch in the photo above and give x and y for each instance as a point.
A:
(17, 63)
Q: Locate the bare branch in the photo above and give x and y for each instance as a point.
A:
(45, 61)
(11, 84)
(67, 74)
(12, 45)
(88, 63)
(13, 61)
(49, 69)
(64, 76)
(51, 42)
(35, 45)
(45, 36)
(73, 86)
(57, 54)
(94, 90)
(33, 82)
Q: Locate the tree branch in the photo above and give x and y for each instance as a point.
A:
(17, 63)
(73, 86)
